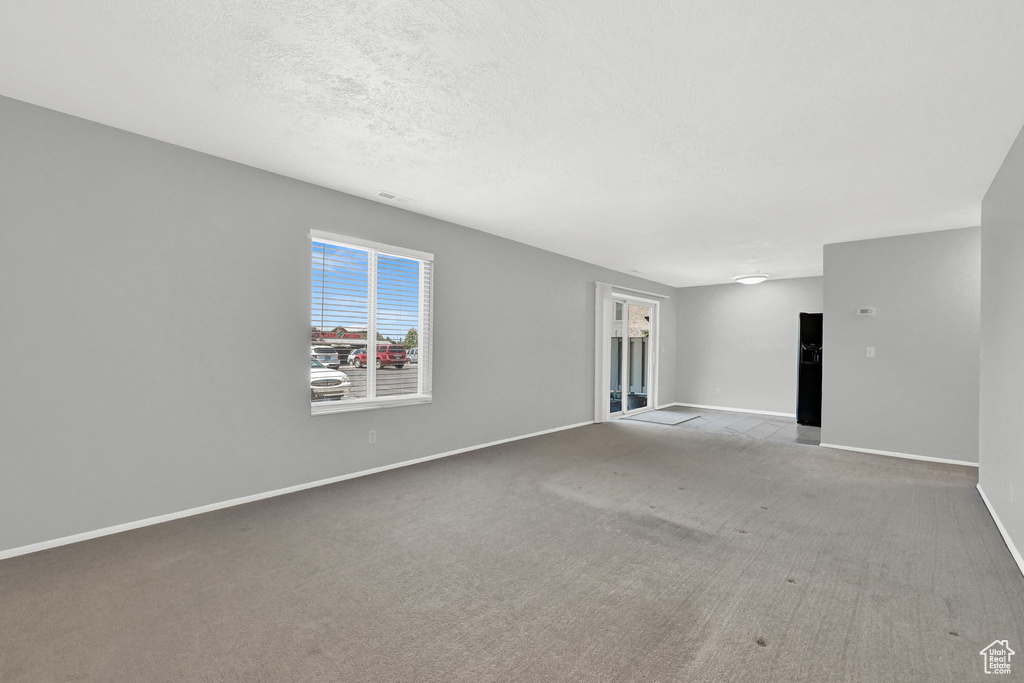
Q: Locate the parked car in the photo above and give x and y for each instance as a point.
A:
(387, 354)
(326, 383)
(413, 355)
(327, 355)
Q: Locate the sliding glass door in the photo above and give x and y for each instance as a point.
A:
(629, 357)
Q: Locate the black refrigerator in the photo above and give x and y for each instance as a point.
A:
(808, 397)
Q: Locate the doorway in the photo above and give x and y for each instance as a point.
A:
(808, 397)
(627, 329)
(629, 358)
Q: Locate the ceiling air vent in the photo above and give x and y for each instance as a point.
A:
(392, 197)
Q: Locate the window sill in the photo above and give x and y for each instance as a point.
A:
(351, 406)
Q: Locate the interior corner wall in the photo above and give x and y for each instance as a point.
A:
(155, 318)
(736, 345)
(919, 394)
(1001, 454)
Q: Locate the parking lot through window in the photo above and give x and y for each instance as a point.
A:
(370, 325)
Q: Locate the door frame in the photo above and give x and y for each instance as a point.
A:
(604, 295)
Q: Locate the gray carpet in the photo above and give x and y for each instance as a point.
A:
(663, 417)
(614, 552)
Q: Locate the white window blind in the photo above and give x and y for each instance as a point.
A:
(372, 306)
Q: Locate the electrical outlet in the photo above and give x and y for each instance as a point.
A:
(373, 436)
(870, 351)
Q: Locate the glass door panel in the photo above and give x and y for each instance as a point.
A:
(617, 353)
(629, 357)
(638, 329)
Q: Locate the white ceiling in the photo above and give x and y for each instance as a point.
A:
(688, 140)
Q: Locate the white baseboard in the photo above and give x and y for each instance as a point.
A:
(149, 521)
(1002, 531)
(894, 454)
(730, 410)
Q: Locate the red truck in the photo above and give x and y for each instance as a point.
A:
(387, 354)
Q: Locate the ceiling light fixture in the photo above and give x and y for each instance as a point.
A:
(751, 279)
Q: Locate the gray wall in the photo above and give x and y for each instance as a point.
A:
(919, 394)
(1002, 343)
(155, 314)
(736, 345)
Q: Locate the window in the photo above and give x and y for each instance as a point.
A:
(370, 296)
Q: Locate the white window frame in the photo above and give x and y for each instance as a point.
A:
(424, 368)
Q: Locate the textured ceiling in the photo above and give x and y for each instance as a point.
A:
(690, 141)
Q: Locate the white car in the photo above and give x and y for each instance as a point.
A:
(413, 355)
(327, 355)
(326, 383)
